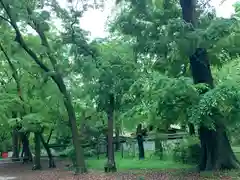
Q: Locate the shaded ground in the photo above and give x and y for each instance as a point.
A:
(24, 172)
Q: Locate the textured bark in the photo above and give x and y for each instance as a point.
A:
(189, 11)
(110, 166)
(216, 151)
(79, 163)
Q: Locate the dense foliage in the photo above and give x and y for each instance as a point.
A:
(53, 73)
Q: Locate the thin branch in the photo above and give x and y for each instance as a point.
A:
(14, 73)
(8, 59)
(43, 39)
(5, 19)
(84, 48)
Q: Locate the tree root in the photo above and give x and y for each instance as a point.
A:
(79, 170)
(51, 164)
(110, 167)
(36, 167)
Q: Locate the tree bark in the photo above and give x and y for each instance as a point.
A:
(191, 129)
(80, 163)
(107, 147)
(15, 139)
(158, 145)
(26, 152)
(189, 11)
(51, 163)
(117, 135)
(140, 141)
(110, 165)
(15, 148)
(216, 151)
(49, 137)
(37, 159)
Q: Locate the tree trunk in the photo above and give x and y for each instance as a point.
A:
(140, 147)
(189, 11)
(216, 151)
(49, 137)
(15, 142)
(51, 163)
(191, 129)
(117, 144)
(26, 153)
(159, 148)
(110, 165)
(37, 159)
(140, 140)
(107, 147)
(158, 145)
(80, 163)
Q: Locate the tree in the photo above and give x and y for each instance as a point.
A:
(106, 77)
(170, 42)
(216, 151)
(38, 22)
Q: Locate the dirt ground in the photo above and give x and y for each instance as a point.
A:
(18, 171)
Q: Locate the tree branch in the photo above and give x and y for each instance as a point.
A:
(43, 39)
(20, 39)
(5, 19)
(14, 73)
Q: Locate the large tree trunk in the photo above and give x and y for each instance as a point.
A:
(216, 151)
(80, 163)
(51, 163)
(110, 165)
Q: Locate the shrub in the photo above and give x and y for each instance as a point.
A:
(187, 151)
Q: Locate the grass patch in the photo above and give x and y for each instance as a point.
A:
(128, 163)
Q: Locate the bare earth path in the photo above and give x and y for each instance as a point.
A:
(18, 171)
